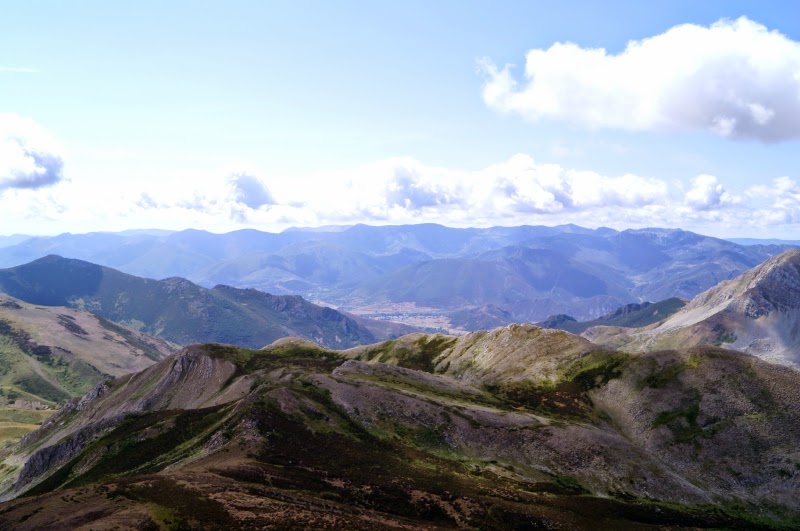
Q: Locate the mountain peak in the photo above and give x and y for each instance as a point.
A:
(773, 285)
(756, 312)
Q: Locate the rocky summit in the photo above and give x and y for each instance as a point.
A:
(757, 312)
(516, 428)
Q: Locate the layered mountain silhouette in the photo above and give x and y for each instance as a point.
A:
(633, 315)
(182, 312)
(515, 428)
(528, 272)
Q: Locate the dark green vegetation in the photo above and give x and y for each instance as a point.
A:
(288, 356)
(568, 396)
(481, 278)
(419, 355)
(178, 310)
(631, 315)
(298, 436)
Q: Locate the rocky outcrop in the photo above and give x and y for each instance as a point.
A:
(772, 286)
(757, 312)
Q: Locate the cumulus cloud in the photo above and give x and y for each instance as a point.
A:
(250, 191)
(409, 189)
(735, 78)
(235, 197)
(707, 193)
(525, 186)
(29, 157)
(777, 203)
(516, 191)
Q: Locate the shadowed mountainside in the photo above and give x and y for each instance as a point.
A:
(182, 312)
(633, 315)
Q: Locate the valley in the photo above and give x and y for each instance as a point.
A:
(399, 266)
(518, 426)
(466, 279)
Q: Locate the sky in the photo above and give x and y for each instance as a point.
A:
(258, 114)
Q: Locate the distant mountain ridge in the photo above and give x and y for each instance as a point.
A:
(529, 272)
(633, 315)
(180, 311)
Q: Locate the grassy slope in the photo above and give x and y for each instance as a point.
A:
(298, 452)
(49, 355)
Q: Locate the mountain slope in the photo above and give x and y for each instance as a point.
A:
(426, 431)
(758, 312)
(178, 310)
(49, 355)
(524, 281)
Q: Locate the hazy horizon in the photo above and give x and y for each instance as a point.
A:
(340, 228)
(116, 116)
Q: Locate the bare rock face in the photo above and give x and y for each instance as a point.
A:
(757, 312)
(772, 286)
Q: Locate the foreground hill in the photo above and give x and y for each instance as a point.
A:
(49, 355)
(757, 312)
(180, 311)
(511, 429)
(528, 272)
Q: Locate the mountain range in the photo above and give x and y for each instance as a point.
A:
(467, 278)
(515, 428)
(179, 311)
(658, 421)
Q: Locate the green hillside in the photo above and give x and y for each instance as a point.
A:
(178, 310)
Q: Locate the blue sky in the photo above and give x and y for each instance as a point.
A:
(223, 115)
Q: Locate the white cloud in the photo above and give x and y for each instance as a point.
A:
(519, 190)
(707, 193)
(29, 156)
(777, 203)
(397, 190)
(735, 78)
(525, 186)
